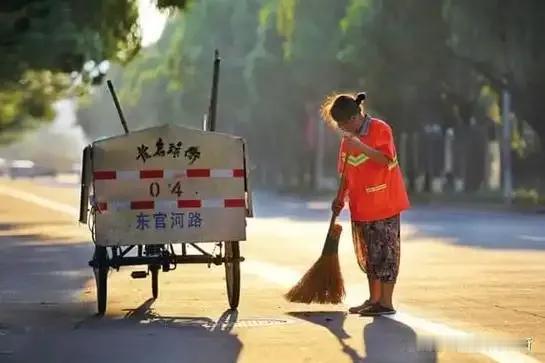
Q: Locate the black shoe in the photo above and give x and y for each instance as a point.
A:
(377, 310)
(359, 308)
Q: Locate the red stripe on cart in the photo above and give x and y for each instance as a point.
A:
(105, 175)
(164, 174)
(238, 173)
(143, 204)
(198, 173)
(180, 203)
(234, 203)
(151, 174)
(189, 203)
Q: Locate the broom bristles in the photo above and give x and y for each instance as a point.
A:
(323, 283)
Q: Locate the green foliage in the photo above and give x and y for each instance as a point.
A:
(421, 61)
(43, 42)
(29, 103)
(503, 41)
(528, 197)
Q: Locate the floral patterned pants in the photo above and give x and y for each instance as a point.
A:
(377, 247)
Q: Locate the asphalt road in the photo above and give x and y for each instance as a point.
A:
(471, 289)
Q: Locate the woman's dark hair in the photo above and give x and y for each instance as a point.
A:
(339, 108)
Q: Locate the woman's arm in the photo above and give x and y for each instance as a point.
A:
(373, 154)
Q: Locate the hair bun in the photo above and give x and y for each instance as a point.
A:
(360, 97)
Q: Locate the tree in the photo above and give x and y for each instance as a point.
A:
(503, 41)
(45, 46)
(418, 59)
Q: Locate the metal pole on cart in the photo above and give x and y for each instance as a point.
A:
(232, 249)
(118, 106)
(210, 124)
(209, 119)
(123, 123)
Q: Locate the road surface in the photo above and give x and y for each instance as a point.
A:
(471, 289)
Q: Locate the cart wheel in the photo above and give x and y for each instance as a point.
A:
(154, 281)
(101, 278)
(232, 273)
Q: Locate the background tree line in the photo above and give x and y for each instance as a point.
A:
(423, 62)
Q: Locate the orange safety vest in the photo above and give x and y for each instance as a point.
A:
(374, 191)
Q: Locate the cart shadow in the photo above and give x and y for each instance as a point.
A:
(144, 315)
(195, 338)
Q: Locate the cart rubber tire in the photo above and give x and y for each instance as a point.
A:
(232, 273)
(101, 278)
(154, 281)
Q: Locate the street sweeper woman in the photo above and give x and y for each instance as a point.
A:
(376, 194)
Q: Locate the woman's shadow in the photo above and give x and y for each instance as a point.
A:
(388, 340)
(384, 340)
(334, 322)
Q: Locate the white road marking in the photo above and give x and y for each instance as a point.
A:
(430, 228)
(532, 238)
(287, 277)
(42, 202)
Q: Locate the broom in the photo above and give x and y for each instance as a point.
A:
(323, 283)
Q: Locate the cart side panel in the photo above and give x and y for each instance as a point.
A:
(85, 181)
(247, 185)
(169, 184)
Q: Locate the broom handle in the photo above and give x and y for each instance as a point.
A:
(331, 223)
(339, 190)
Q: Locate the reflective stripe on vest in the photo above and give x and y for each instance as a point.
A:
(355, 160)
(392, 164)
(375, 188)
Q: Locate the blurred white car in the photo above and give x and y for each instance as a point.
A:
(21, 169)
(3, 167)
(28, 169)
(76, 168)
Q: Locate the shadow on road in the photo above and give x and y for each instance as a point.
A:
(384, 340)
(461, 226)
(144, 315)
(43, 319)
(40, 281)
(387, 340)
(492, 230)
(334, 322)
(37, 269)
(172, 338)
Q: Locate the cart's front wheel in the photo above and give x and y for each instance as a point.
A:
(232, 272)
(101, 277)
(154, 281)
